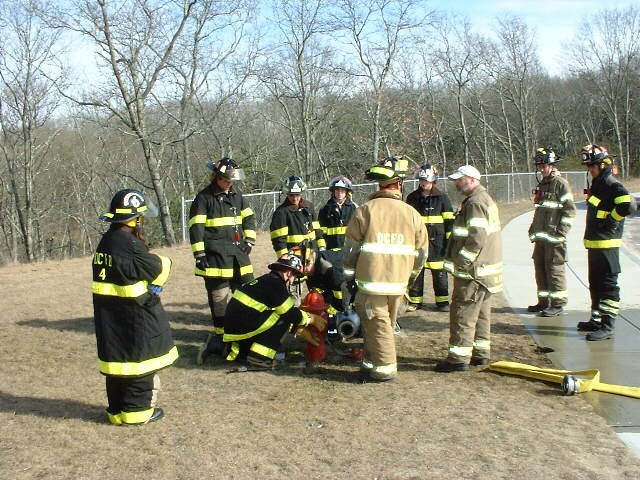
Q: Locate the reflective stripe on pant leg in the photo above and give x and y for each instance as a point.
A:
(463, 318)
(482, 339)
(377, 313)
(440, 286)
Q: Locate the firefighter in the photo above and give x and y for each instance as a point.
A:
(474, 258)
(294, 221)
(133, 335)
(222, 233)
(552, 219)
(608, 203)
(334, 216)
(385, 247)
(437, 214)
(263, 310)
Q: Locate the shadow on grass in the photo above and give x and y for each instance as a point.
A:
(51, 408)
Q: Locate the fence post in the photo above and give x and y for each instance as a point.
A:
(184, 222)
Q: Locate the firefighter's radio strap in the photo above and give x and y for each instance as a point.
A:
(587, 380)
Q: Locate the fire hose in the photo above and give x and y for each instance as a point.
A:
(571, 381)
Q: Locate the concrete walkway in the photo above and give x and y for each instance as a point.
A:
(618, 359)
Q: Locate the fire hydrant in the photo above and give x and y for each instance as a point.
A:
(314, 303)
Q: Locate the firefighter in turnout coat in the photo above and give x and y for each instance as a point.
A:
(132, 329)
(222, 232)
(262, 311)
(474, 258)
(552, 220)
(294, 222)
(437, 214)
(334, 216)
(608, 203)
(385, 248)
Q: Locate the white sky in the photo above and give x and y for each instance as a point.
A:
(555, 21)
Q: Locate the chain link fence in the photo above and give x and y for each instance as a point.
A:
(503, 187)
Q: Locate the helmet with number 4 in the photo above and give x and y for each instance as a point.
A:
(341, 182)
(227, 169)
(545, 156)
(294, 185)
(128, 204)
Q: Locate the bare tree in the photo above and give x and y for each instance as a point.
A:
(135, 42)
(29, 70)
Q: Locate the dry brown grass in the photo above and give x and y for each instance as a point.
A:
(283, 424)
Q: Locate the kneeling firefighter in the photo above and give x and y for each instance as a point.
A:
(260, 312)
(133, 335)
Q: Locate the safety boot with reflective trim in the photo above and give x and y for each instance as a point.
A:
(589, 326)
(605, 332)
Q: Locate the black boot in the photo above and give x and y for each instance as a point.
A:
(606, 330)
(551, 311)
(212, 346)
(540, 306)
(592, 324)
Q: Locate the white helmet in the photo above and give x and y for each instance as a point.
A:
(427, 172)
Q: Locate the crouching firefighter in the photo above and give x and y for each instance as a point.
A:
(132, 329)
(262, 311)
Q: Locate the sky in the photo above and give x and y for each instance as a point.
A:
(555, 22)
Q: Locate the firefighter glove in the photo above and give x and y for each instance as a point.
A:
(155, 289)
(318, 322)
(201, 262)
(247, 247)
(308, 335)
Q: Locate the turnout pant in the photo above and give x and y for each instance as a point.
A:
(378, 314)
(131, 399)
(440, 287)
(604, 268)
(263, 346)
(469, 322)
(219, 291)
(549, 262)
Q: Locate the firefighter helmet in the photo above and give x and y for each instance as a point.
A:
(227, 169)
(545, 156)
(314, 303)
(427, 172)
(288, 262)
(388, 170)
(341, 182)
(596, 154)
(128, 204)
(294, 185)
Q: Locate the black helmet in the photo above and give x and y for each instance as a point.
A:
(129, 204)
(294, 185)
(227, 169)
(388, 170)
(596, 154)
(288, 262)
(545, 156)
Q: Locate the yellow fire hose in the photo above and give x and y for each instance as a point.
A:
(572, 382)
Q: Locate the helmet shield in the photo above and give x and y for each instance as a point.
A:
(128, 204)
(227, 169)
(545, 156)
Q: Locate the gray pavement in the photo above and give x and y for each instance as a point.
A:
(617, 359)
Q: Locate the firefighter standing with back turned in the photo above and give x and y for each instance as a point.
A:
(552, 220)
(385, 248)
(437, 214)
(133, 335)
(608, 203)
(474, 258)
(222, 233)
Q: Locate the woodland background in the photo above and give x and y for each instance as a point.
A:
(312, 87)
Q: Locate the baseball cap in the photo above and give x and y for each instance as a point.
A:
(465, 171)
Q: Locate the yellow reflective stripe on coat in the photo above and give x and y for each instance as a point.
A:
(610, 243)
(545, 237)
(448, 215)
(246, 300)
(566, 196)
(432, 219)
(616, 216)
(549, 204)
(223, 272)
(388, 288)
(262, 350)
(434, 265)
(602, 213)
(593, 200)
(247, 212)
(197, 219)
(315, 225)
(334, 230)
(388, 249)
(234, 351)
(197, 247)
(566, 220)
(223, 221)
(301, 238)
(249, 234)
(266, 325)
(460, 232)
(471, 256)
(280, 232)
(161, 279)
(126, 369)
(124, 291)
(622, 199)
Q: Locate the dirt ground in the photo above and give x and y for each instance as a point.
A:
(285, 423)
